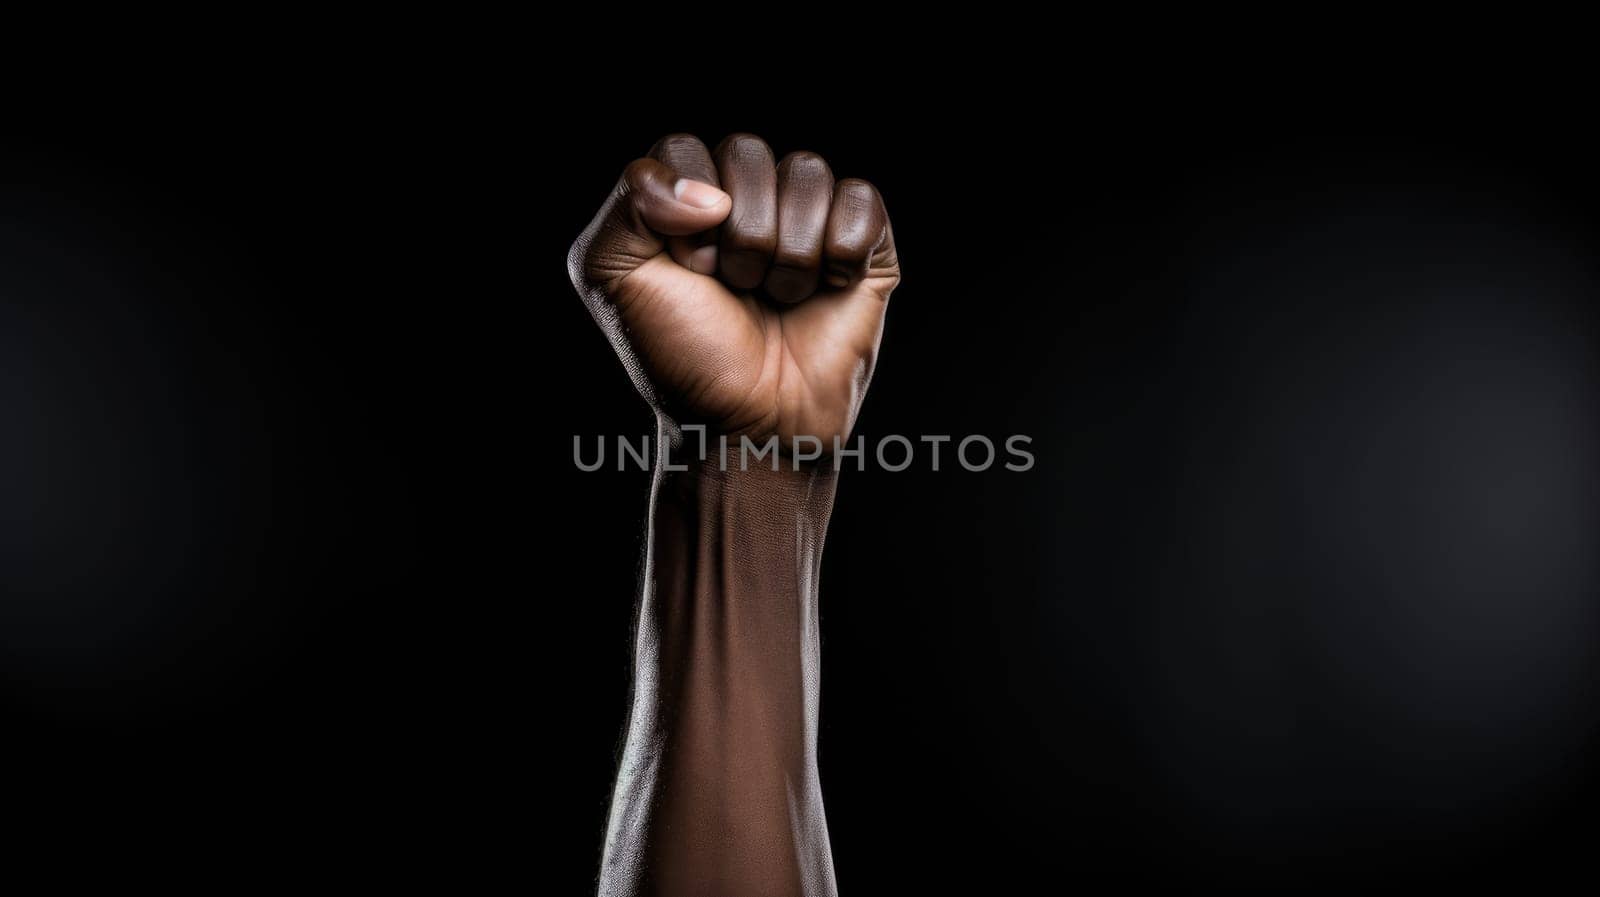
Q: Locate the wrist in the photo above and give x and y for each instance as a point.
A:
(799, 469)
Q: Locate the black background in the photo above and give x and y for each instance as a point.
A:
(298, 572)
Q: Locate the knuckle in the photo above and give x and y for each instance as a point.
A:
(638, 174)
(854, 239)
(857, 195)
(795, 256)
(743, 146)
(803, 163)
(858, 223)
(675, 142)
(757, 240)
(846, 250)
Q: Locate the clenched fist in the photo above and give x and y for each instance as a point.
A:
(742, 294)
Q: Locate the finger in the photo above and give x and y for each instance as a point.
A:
(665, 203)
(805, 191)
(649, 203)
(858, 237)
(858, 251)
(750, 233)
(689, 158)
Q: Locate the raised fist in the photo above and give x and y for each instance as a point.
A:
(742, 294)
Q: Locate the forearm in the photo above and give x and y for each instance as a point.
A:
(718, 791)
(748, 292)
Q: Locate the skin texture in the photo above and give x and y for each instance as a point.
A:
(746, 295)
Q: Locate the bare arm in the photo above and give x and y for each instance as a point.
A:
(745, 296)
(718, 791)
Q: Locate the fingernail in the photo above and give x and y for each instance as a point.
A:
(703, 260)
(694, 193)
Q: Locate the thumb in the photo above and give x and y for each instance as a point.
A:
(649, 202)
(671, 205)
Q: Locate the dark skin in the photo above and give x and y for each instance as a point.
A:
(747, 296)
